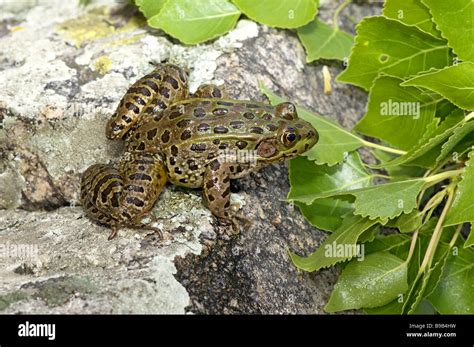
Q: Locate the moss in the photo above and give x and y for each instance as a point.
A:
(103, 64)
(8, 299)
(95, 25)
(57, 291)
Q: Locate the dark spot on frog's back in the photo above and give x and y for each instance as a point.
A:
(203, 127)
(141, 147)
(224, 103)
(174, 150)
(165, 137)
(198, 147)
(267, 116)
(216, 93)
(256, 130)
(249, 115)
(183, 123)
(271, 127)
(220, 130)
(175, 114)
(237, 124)
(220, 111)
(150, 135)
(185, 134)
(199, 112)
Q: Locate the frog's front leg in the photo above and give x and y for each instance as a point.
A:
(122, 197)
(208, 91)
(216, 189)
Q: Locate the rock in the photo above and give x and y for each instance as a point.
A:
(62, 77)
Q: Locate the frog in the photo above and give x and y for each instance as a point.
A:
(199, 140)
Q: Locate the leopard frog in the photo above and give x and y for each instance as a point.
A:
(201, 140)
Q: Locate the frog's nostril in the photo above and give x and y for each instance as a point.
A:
(310, 134)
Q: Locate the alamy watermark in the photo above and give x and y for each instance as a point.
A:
(342, 250)
(20, 251)
(400, 108)
(239, 156)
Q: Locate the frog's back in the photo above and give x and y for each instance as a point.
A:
(190, 133)
(194, 123)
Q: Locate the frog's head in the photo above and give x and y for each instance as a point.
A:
(293, 137)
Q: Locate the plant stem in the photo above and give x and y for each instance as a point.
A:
(431, 180)
(336, 13)
(412, 246)
(437, 232)
(469, 117)
(383, 148)
(455, 236)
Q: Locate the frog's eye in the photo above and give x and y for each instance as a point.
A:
(289, 138)
(286, 110)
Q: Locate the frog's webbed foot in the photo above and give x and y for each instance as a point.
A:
(209, 91)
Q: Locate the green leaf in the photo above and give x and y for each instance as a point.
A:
(454, 293)
(397, 172)
(339, 246)
(192, 24)
(370, 234)
(386, 201)
(462, 209)
(150, 8)
(455, 19)
(455, 83)
(281, 14)
(390, 107)
(392, 308)
(388, 243)
(374, 282)
(470, 238)
(413, 13)
(387, 46)
(457, 137)
(407, 222)
(426, 152)
(323, 41)
(310, 181)
(326, 214)
(334, 141)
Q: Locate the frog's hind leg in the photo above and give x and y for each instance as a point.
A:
(151, 94)
(122, 197)
(208, 91)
